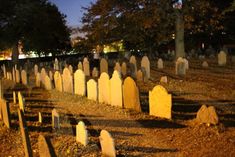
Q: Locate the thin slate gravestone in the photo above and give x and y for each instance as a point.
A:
(38, 80)
(35, 69)
(24, 77)
(80, 65)
(124, 69)
(140, 76)
(222, 58)
(160, 102)
(67, 81)
(14, 74)
(146, 65)
(180, 67)
(81, 133)
(207, 115)
(55, 119)
(5, 112)
(14, 97)
(107, 144)
(160, 63)
(86, 66)
(21, 101)
(95, 72)
(116, 89)
(39, 117)
(92, 90)
(25, 134)
(131, 95)
(104, 88)
(133, 66)
(103, 65)
(43, 75)
(17, 76)
(48, 85)
(79, 83)
(43, 147)
(118, 67)
(58, 81)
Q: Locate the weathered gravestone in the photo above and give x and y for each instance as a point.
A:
(71, 69)
(55, 119)
(160, 102)
(56, 65)
(124, 71)
(38, 80)
(205, 64)
(14, 97)
(86, 67)
(117, 67)
(48, 85)
(222, 58)
(24, 78)
(180, 67)
(160, 63)
(17, 76)
(43, 75)
(92, 90)
(43, 148)
(95, 72)
(146, 65)
(104, 88)
(25, 134)
(35, 69)
(14, 74)
(163, 79)
(107, 144)
(4, 71)
(5, 112)
(81, 133)
(131, 95)
(67, 81)
(103, 65)
(116, 89)
(140, 76)
(21, 101)
(133, 66)
(79, 83)
(51, 75)
(207, 115)
(58, 81)
(39, 117)
(80, 66)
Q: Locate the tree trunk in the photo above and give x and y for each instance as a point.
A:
(179, 36)
(15, 54)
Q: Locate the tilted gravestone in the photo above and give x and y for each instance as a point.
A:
(133, 66)
(160, 102)
(51, 75)
(207, 115)
(5, 112)
(103, 65)
(222, 58)
(131, 95)
(17, 76)
(118, 67)
(67, 81)
(21, 101)
(146, 65)
(58, 81)
(48, 85)
(86, 66)
(160, 63)
(116, 89)
(81, 133)
(92, 90)
(107, 144)
(24, 77)
(104, 88)
(124, 71)
(25, 134)
(55, 119)
(79, 83)
(43, 148)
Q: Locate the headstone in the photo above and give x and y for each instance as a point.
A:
(118, 67)
(55, 119)
(56, 65)
(24, 77)
(104, 88)
(103, 65)
(146, 65)
(80, 66)
(71, 69)
(107, 144)
(160, 102)
(21, 101)
(58, 81)
(5, 111)
(1, 89)
(116, 89)
(131, 95)
(140, 76)
(180, 67)
(81, 133)
(35, 69)
(43, 148)
(14, 74)
(186, 64)
(207, 115)
(4, 71)
(25, 134)
(222, 58)
(43, 75)
(205, 64)
(160, 63)
(17, 76)
(95, 72)
(51, 75)
(48, 85)
(79, 83)
(133, 66)
(86, 67)
(38, 80)
(124, 71)
(39, 117)
(14, 97)
(67, 81)
(163, 79)
(92, 89)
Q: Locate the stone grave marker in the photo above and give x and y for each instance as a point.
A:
(131, 95)
(104, 88)
(95, 72)
(14, 97)
(4, 71)
(48, 85)
(103, 65)
(71, 69)
(92, 90)
(55, 119)
(5, 112)
(24, 77)
(38, 80)
(205, 64)
(14, 74)
(80, 66)
(180, 67)
(86, 67)
(140, 76)
(163, 79)
(222, 58)
(43, 75)
(35, 69)
(56, 64)
(107, 144)
(67, 81)
(116, 89)
(1, 89)
(81, 133)
(51, 75)
(133, 66)
(160, 63)
(58, 81)
(79, 83)
(160, 102)
(207, 115)
(25, 134)
(43, 147)
(146, 65)
(17, 76)
(124, 71)
(21, 101)
(118, 67)
(39, 117)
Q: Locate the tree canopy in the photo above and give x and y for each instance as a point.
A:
(37, 24)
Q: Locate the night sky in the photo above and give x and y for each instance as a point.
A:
(72, 9)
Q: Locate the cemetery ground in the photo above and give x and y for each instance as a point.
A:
(135, 134)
